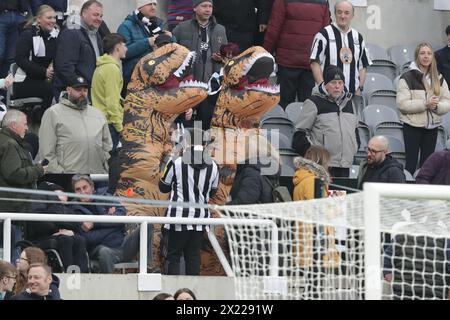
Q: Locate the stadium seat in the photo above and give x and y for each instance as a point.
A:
(376, 52)
(396, 80)
(389, 129)
(364, 135)
(384, 97)
(49, 246)
(293, 111)
(277, 139)
(359, 105)
(441, 139)
(23, 104)
(354, 172)
(409, 177)
(375, 82)
(284, 125)
(384, 67)
(396, 145)
(376, 114)
(359, 156)
(287, 162)
(446, 123)
(401, 54)
(276, 111)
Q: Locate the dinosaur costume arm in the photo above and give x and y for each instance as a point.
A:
(165, 184)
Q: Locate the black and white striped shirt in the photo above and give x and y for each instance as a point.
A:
(326, 48)
(190, 184)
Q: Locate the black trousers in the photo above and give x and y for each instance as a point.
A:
(418, 140)
(294, 83)
(187, 243)
(35, 88)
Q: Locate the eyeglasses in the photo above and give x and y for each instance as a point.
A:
(11, 277)
(373, 150)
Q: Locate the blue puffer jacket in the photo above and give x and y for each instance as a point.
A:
(107, 234)
(136, 36)
(57, 5)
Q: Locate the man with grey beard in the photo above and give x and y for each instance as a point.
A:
(74, 136)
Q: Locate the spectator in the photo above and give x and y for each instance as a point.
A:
(422, 99)
(107, 84)
(184, 294)
(79, 48)
(290, 33)
(310, 170)
(67, 148)
(7, 280)
(436, 169)
(140, 30)
(107, 242)
(198, 183)
(342, 46)
(36, 49)
(328, 120)
(443, 58)
(380, 166)
(239, 19)
(70, 245)
(12, 15)
(178, 11)
(29, 256)
(60, 7)
(17, 169)
(211, 36)
(39, 284)
(7, 82)
(163, 296)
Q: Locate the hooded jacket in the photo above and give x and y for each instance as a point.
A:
(304, 178)
(330, 124)
(107, 84)
(412, 97)
(389, 171)
(74, 140)
(436, 169)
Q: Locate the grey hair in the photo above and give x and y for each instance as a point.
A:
(342, 1)
(383, 140)
(12, 116)
(79, 177)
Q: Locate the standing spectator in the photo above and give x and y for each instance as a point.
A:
(60, 7)
(239, 19)
(342, 46)
(140, 30)
(178, 11)
(203, 35)
(190, 178)
(79, 48)
(107, 241)
(107, 84)
(39, 281)
(443, 58)
(380, 166)
(422, 99)
(12, 15)
(436, 169)
(36, 49)
(7, 280)
(17, 169)
(184, 294)
(290, 33)
(74, 136)
(328, 120)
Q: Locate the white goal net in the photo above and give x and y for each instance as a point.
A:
(322, 249)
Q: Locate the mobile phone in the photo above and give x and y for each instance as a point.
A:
(44, 162)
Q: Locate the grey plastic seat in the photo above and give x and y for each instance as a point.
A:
(283, 125)
(376, 114)
(446, 123)
(376, 52)
(359, 156)
(389, 129)
(287, 162)
(384, 67)
(276, 111)
(441, 139)
(401, 54)
(396, 145)
(354, 172)
(375, 82)
(386, 98)
(277, 139)
(293, 111)
(364, 135)
(409, 177)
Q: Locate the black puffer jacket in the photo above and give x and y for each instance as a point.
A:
(389, 171)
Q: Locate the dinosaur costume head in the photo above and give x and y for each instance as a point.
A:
(246, 92)
(161, 88)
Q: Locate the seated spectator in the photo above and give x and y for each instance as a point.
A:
(140, 30)
(74, 137)
(107, 84)
(39, 284)
(36, 49)
(106, 242)
(380, 166)
(70, 245)
(7, 279)
(29, 256)
(328, 120)
(184, 294)
(436, 170)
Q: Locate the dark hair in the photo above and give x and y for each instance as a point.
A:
(447, 30)
(184, 290)
(162, 296)
(230, 47)
(110, 41)
(88, 4)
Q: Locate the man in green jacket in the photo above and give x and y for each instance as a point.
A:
(107, 84)
(17, 169)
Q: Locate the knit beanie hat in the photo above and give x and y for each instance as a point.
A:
(141, 3)
(197, 2)
(332, 73)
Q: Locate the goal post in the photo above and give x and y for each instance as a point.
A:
(387, 242)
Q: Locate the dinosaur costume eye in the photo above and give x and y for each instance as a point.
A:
(151, 62)
(230, 63)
